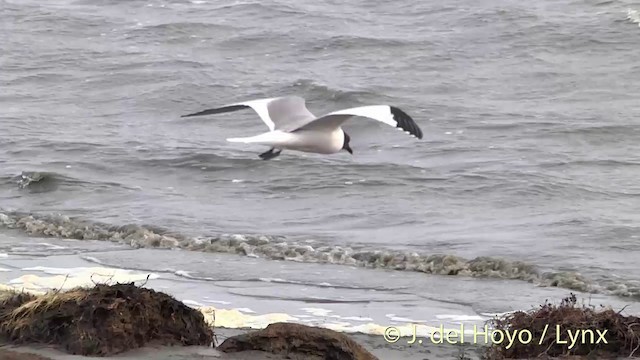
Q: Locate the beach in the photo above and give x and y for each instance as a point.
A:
(230, 317)
(66, 272)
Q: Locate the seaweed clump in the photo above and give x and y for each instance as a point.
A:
(567, 329)
(102, 320)
(298, 341)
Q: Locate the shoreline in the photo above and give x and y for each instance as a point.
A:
(366, 327)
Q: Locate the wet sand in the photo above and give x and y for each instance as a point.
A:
(375, 344)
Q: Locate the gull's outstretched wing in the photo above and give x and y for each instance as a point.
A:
(281, 113)
(387, 114)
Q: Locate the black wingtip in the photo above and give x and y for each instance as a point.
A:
(405, 122)
(220, 110)
(195, 114)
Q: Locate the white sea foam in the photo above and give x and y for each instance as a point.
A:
(460, 317)
(393, 317)
(404, 330)
(355, 318)
(325, 313)
(6, 220)
(92, 259)
(221, 302)
(183, 273)
(56, 271)
(235, 319)
(633, 16)
(317, 311)
(493, 315)
(246, 310)
(192, 303)
(67, 278)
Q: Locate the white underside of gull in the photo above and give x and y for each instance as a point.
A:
(322, 142)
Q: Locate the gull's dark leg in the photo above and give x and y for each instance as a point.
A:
(268, 155)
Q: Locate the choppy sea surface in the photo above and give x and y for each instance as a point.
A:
(525, 186)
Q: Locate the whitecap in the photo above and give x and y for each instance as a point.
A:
(246, 310)
(192, 303)
(221, 302)
(52, 246)
(183, 273)
(460, 317)
(633, 16)
(318, 311)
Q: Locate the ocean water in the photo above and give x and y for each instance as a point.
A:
(524, 188)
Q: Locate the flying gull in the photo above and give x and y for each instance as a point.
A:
(293, 127)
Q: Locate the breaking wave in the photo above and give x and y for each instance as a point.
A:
(281, 248)
(46, 181)
(36, 181)
(633, 16)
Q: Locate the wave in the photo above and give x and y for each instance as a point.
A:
(187, 159)
(177, 32)
(260, 7)
(281, 248)
(633, 16)
(36, 181)
(191, 276)
(172, 28)
(41, 18)
(313, 90)
(616, 130)
(592, 162)
(134, 67)
(346, 42)
(46, 181)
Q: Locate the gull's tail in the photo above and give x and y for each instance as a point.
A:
(245, 140)
(269, 138)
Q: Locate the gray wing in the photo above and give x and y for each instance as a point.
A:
(387, 114)
(285, 113)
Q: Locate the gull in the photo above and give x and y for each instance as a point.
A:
(293, 127)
